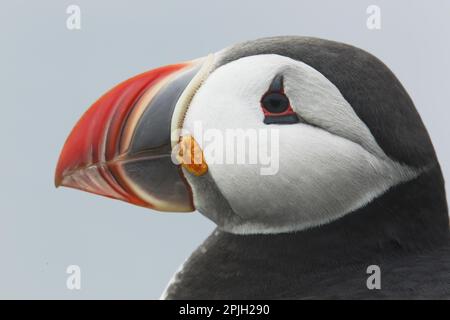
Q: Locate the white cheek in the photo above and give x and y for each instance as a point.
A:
(230, 97)
(225, 109)
(321, 179)
(320, 176)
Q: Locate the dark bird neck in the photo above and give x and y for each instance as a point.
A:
(410, 217)
(407, 222)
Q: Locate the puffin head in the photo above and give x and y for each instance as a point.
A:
(269, 136)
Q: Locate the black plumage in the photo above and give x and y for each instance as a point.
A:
(404, 232)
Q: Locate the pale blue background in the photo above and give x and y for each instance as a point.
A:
(50, 75)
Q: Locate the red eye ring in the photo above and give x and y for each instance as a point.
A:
(276, 105)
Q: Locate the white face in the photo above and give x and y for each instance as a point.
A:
(328, 165)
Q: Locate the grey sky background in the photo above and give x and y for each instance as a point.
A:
(49, 76)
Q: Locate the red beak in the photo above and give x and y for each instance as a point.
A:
(121, 147)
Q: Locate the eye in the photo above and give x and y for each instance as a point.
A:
(275, 102)
(276, 105)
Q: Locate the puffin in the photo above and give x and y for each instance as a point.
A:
(349, 202)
